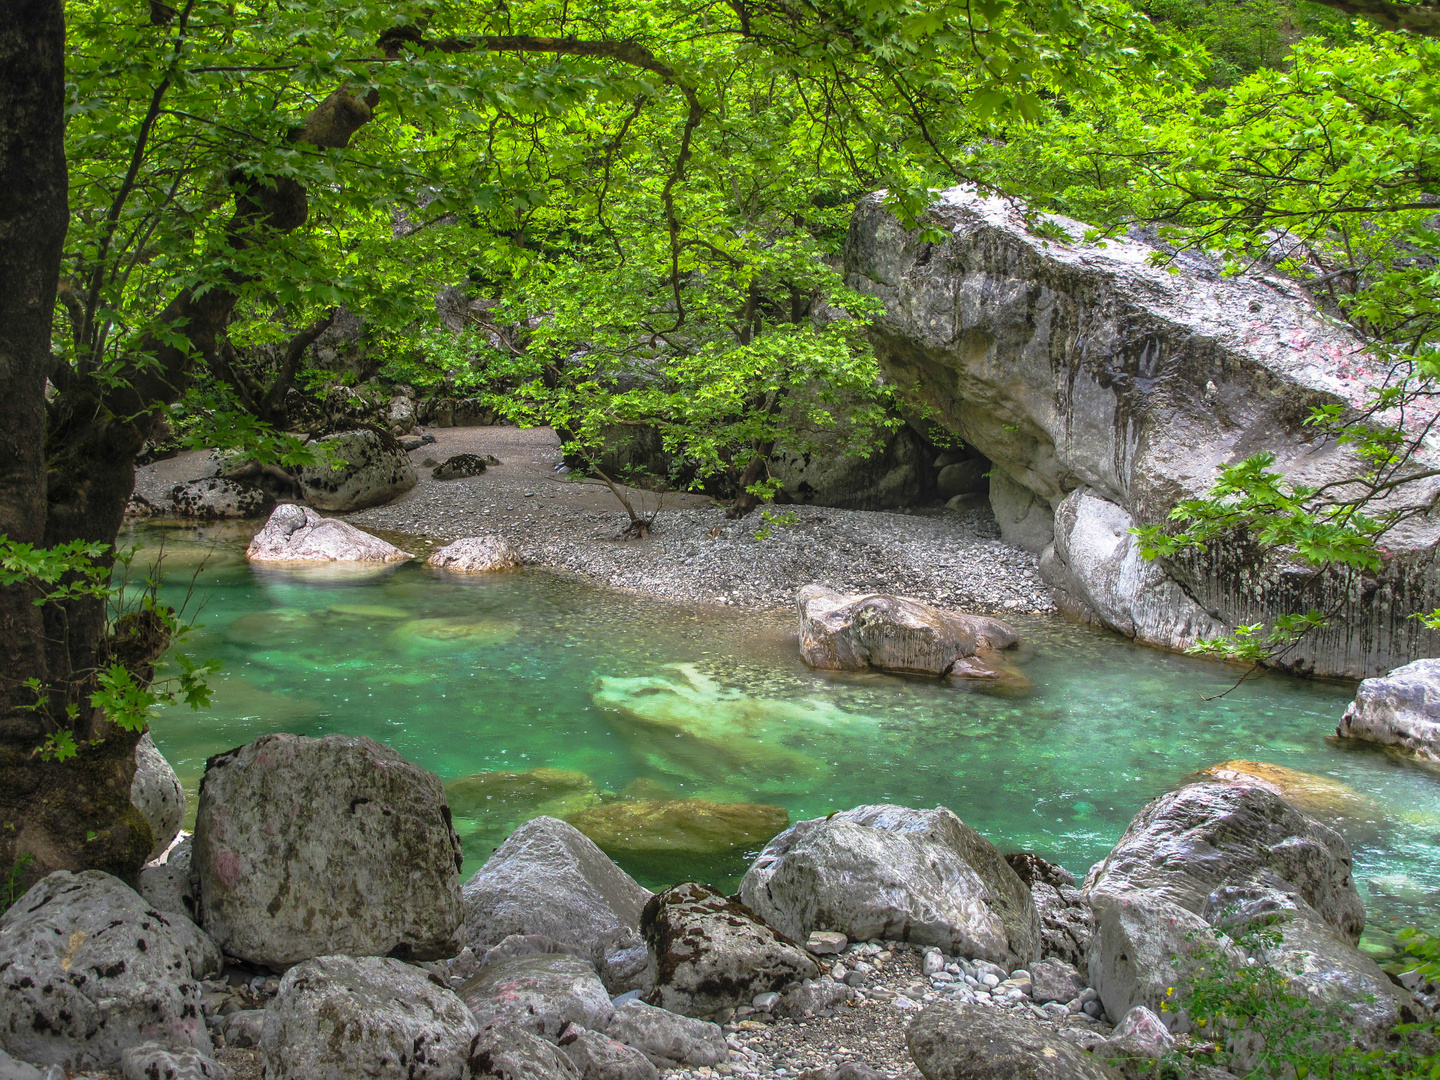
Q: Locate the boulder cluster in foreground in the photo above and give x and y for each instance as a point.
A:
(332, 864)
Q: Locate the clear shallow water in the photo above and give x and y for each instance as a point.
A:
(521, 671)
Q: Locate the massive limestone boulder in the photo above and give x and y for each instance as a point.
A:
(1191, 855)
(549, 879)
(342, 1017)
(375, 470)
(157, 794)
(540, 994)
(1074, 366)
(711, 953)
(296, 534)
(312, 847)
(981, 1042)
(852, 632)
(922, 876)
(1400, 710)
(88, 969)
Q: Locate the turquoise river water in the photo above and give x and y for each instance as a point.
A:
(529, 670)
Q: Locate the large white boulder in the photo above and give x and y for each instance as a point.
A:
(87, 969)
(311, 847)
(852, 632)
(344, 1017)
(1400, 710)
(549, 879)
(375, 470)
(922, 876)
(476, 555)
(157, 794)
(296, 534)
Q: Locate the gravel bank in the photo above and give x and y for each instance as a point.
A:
(951, 558)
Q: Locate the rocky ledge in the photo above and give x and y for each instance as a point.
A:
(879, 942)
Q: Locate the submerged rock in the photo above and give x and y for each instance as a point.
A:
(374, 469)
(429, 633)
(692, 727)
(312, 847)
(852, 632)
(343, 1017)
(922, 876)
(157, 794)
(476, 555)
(684, 826)
(1400, 711)
(711, 953)
(498, 801)
(296, 534)
(549, 879)
(88, 969)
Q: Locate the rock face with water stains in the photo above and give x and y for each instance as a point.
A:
(373, 469)
(711, 953)
(852, 632)
(476, 555)
(549, 879)
(1166, 883)
(311, 847)
(342, 1017)
(1081, 367)
(88, 969)
(156, 793)
(1400, 710)
(922, 876)
(296, 534)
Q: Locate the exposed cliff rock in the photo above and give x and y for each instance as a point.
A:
(1073, 367)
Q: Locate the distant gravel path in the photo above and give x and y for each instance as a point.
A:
(693, 554)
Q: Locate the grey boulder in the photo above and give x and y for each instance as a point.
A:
(458, 467)
(311, 847)
(549, 879)
(343, 1017)
(711, 953)
(599, 1057)
(540, 994)
(14, 1069)
(215, 497)
(852, 632)
(1152, 894)
(981, 1042)
(171, 886)
(922, 876)
(373, 469)
(244, 1028)
(296, 534)
(506, 1052)
(475, 555)
(88, 969)
(811, 997)
(666, 1038)
(151, 1061)
(157, 794)
(1055, 980)
(1400, 710)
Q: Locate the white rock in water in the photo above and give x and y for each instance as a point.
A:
(342, 1017)
(157, 794)
(1400, 710)
(893, 872)
(296, 534)
(87, 969)
(314, 847)
(476, 555)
